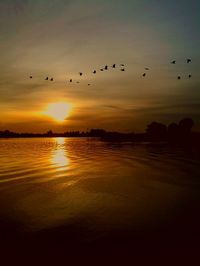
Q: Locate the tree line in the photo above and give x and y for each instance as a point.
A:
(155, 131)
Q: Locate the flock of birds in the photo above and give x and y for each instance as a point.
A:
(188, 60)
(122, 68)
(106, 67)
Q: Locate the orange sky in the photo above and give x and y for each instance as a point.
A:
(62, 38)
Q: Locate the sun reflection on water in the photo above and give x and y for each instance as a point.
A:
(59, 155)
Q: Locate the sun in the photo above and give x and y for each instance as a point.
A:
(58, 111)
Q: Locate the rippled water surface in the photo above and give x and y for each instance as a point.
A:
(48, 182)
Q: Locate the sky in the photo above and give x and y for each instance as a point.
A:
(61, 38)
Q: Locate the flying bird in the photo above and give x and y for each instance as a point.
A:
(51, 79)
(123, 69)
(70, 80)
(173, 62)
(106, 67)
(146, 68)
(114, 66)
(94, 72)
(89, 84)
(121, 64)
(31, 77)
(102, 69)
(77, 82)
(179, 77)
(46, 78)
(189, 76)
(80, 73)
(144, 75)
(189, 60)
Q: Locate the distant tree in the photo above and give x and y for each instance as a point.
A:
(7, 132)
(156, 130)
(173, 130)
(97, 132)
(49, 133)
(185, 126)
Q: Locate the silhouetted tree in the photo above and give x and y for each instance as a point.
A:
(185, 126)
(97, 132)
(49, 133)
(173, 130)
(156, 130)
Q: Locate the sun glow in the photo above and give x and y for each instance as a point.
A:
(58, 111)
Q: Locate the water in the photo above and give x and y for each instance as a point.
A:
(95, 187)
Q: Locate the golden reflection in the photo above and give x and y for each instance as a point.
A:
(59, 154)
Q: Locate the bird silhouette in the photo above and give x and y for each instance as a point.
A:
(106, 67)
(179, 77)
(51, 79)
(102, 69)
(80, 73)
(121, 64)
(77, 82)
(189, 60)
(144, 75)
(114, 66)
(94, 72)
(31, 77)
(146, 68)
(189, 76)
(89, 84)
(46, 78)
(123, 69)
(70, 80)
(173, 62)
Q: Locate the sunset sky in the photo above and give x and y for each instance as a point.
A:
(61, 38)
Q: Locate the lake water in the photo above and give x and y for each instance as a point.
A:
(100, 190)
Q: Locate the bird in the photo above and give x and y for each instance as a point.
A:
(70, 80)
(114, 66)
(80, 73)
(144, 75)
(179, 77)
(146, 68)
(121, 64)
(77, 82)
(173, 62)
(89, 84)
(94, 72)
(51, 79)
(189, 76)
(106, 67)
(189, 60)
(102, 69)
(46, 78)
(123, 69)
(31, 77)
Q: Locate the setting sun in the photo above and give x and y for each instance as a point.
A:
(58, 111)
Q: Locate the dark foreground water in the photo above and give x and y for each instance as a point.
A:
(80, 199)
